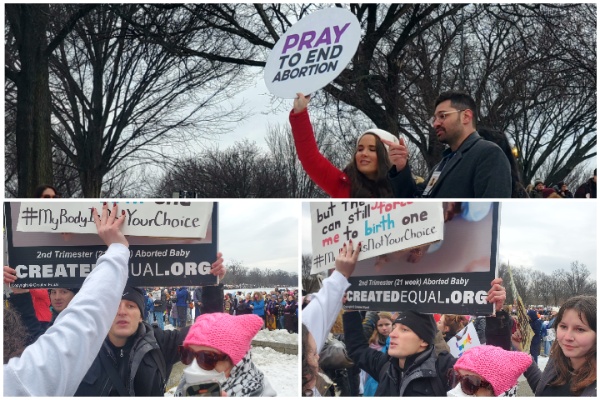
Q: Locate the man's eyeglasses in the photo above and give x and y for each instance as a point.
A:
(207, 360)
(469, 384)
(442, 116)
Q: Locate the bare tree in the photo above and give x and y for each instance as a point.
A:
(310, 283)
(117, 96)
(531, 69)
(577, 280)
(240, 171)
(33, 33)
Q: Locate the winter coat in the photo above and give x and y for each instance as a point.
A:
(182, 297)
(161, 305)
(259, 307)
(152, 354)
(290, 308)
(281, 309)
(272, 307)
(243, 308)
(478, 169)
(149, 305)
(587, 190)
(197, 296)
(538, 380)
(320, 170)
(536, 326)
(41, 304)
(423, 373)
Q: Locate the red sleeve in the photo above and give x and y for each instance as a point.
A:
(41, 304)
(326, 175)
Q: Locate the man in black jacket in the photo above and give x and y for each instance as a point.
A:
(471, 167)
(198, 301)
(136, 359)
(160, 305)
(411, 366)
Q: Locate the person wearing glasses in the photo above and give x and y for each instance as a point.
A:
(471, 167)
(136, 358)
(217, 350)
(487, 371)
(411, 366)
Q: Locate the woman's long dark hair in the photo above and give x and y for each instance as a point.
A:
(37, 193)
(363, 187)
(309, 373)
(585, 306)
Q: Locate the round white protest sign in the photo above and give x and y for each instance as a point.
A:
(312, 53)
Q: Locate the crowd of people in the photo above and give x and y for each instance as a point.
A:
(539, 190)
(278, 309)
(98, 342)
(407, 354)
(181, 306)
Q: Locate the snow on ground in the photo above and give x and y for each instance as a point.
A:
(278, 336)
(282, 370)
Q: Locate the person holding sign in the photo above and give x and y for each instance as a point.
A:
(411, 367)
(571, 368)
(56, 363)
(471, 167)
(319, 315)
(367, 173)
(136, 358)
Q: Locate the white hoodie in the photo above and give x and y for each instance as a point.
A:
(57, 362)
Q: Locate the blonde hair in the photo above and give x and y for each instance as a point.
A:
(376, 337)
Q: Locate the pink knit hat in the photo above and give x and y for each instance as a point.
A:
(229, 334)
(499, 367)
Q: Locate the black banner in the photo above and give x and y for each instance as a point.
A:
(153, 261)
(450, 277)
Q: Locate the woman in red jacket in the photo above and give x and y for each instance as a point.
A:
(365, 176)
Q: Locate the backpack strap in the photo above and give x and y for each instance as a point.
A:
(112, 373)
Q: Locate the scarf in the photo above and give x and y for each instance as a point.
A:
(244, 379)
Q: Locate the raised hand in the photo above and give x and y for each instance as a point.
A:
(398, 153)
(109, 226)
(300, 102)
(346, 260)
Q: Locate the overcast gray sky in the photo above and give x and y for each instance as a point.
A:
(539, 234)
(260, 233)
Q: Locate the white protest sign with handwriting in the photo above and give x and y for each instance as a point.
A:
(382, 227)
(152, 219)
(312, 53)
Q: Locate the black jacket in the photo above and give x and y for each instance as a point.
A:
(424, 374)
(162, 303)
(478, 169)
(198, 296)
(149, 354)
